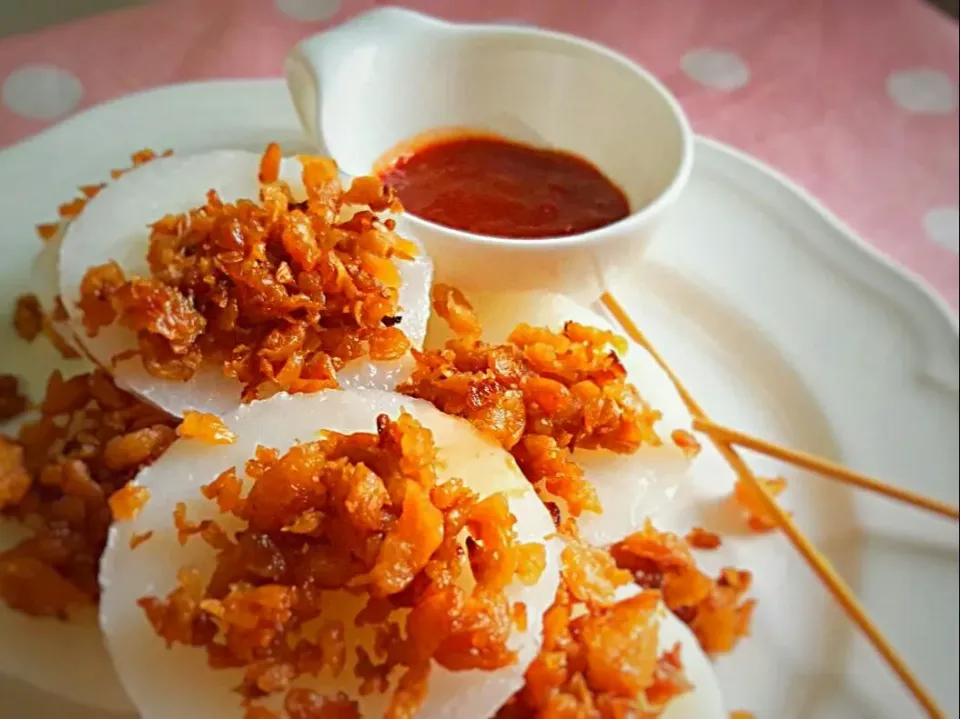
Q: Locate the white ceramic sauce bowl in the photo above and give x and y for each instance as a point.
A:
(389, 75)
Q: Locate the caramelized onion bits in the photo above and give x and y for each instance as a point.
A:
(32, 320)
(61, 478)
(27, 317)
(58, 479)
(714, 609)
(746, 500)
(126, 502)
(276, 286)
(700, 538)
(540, 394)
(45, 280)
(556, 393)
(610, 650)
(69, 210)
(15, 480)
(13, 402)
(398, 538)
(205, 427)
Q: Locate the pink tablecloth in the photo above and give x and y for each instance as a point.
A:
(854, 99)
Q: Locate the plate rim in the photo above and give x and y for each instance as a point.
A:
(888, 266)
(933, 320)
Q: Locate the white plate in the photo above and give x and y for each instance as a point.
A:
(779, 319)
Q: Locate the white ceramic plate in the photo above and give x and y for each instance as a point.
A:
(780, 320)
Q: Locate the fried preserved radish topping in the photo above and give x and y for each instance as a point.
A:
(69, 210)
(59, 479)
(29, 321)
(600, 655)
(281, 294)
(700, 538)
(205, 427)
(714, 609)
(541, 394)
(29, 318)
(126, 502)
(137, 539)
(15, 480)
(363, 513)
(13, 402)
(747, 500)
(306, 704)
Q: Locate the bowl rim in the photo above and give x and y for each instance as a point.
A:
(640, 216)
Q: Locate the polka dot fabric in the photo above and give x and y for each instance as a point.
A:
(855, 101)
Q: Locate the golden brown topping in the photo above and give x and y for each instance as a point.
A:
(59, 343)
(591, 575)
(519, 612)
(598, 660)
(29, 321)
(258, 712)
(12, 402)
(137, 539)
(540, 394)
(225, 490)
(700, 538)
(747, 499)
(90, 440)
(686, 441)
(363, 514)
(47, 230)
(305, 704)
(28, 317)
(451, 304)
(71, 209)
(126, 502)
(408, 544)
(14, 478)
(281, 294)
(714, 609)
(531, 561)
(178, 619)
(30, 585)
(138, 447)
(621, 646)
(270, 164)
(141, 157)
(410, 693)
(555, 474)
(205, 427)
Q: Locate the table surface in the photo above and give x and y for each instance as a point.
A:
(858, 107)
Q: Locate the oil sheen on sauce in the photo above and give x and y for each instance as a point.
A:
(491, 186)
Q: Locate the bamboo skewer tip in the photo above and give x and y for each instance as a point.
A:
(816, 561)
(824, 467)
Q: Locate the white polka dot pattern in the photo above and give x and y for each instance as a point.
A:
(923, 91)
(41, 92)
(309, 10)
(942, 225)
(717, 69)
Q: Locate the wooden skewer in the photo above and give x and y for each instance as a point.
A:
(817, 562)
(822, 466)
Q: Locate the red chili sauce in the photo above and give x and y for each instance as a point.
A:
(495, 187)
